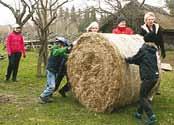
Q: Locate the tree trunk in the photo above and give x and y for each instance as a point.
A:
(39, 64)
(43, 54)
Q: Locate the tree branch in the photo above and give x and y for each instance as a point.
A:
(9, 7)
(49, 23)
(142, 3)
(23, 11)
(61, 4)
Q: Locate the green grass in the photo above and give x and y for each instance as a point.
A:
(19, 105)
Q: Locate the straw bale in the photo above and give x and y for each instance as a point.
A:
(99, 77)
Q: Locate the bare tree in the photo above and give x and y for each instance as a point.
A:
(46, 13)
(113, 6)
(142, 3)
(170, 5)
(20, 10)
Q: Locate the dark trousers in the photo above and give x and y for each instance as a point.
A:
(61, 73)
(144, 104)
(66, 87)
(13, 65)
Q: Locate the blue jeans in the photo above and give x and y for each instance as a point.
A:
(50, 85)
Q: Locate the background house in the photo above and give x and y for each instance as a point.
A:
(135, 18)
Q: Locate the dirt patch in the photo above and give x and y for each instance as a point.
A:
(4, 99)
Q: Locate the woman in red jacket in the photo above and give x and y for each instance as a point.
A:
(15, 48)
(122, 28)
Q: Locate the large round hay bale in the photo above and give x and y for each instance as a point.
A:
(99, 76)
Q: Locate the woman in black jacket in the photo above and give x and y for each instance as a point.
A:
(151, 27)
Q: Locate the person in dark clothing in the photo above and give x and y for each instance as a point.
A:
(146, 58)
(62, 72)
(151, 26)
(55, 69)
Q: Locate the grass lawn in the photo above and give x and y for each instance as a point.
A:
(19, 101)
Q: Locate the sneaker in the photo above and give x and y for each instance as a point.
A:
(2, 57)
(44, 100)
(152, 120)
(138, 115)
(158, 93)
(62, 93)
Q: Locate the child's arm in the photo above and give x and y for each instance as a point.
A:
(59, 51)
(136, 59)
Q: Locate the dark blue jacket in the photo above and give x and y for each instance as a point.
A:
(147, 60)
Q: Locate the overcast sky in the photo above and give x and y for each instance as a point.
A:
(6, 16)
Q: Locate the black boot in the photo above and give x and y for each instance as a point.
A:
(62, 93)
(7, 77)
(14, 80)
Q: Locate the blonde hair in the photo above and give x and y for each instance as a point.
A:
(148, 14)
(93, 24)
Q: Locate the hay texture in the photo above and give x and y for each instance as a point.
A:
(100, 78)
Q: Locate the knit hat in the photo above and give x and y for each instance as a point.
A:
(16, 26)
(62, 40)
(151, 37)
(120, 19)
